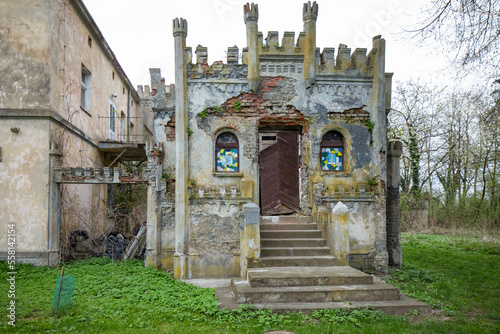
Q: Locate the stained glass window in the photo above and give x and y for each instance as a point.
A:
(226, 153)
(332, 150)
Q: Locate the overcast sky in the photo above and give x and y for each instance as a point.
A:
(140, 32)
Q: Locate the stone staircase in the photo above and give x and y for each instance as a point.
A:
(298, 273)
(290, 241)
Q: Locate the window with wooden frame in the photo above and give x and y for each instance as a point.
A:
(227, 153)
(86, 84)
(332, 151)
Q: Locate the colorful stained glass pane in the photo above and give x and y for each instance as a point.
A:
(331, 158)
(227, 160)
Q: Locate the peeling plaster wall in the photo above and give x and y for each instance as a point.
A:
(24, 180)
(69, 50)
(341, 104)
(25, 50)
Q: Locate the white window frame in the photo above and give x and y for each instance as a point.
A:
(111, 120)
(86, 85)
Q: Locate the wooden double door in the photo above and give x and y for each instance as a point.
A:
(279, 172)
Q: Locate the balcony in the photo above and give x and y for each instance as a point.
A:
(120, 142)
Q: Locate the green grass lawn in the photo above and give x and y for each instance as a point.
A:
(459, 277)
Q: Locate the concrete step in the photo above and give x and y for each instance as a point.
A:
(244, 293)
(299, 261)
(290, 234)
(390, 307)
(294, 251)
(307, 276)
(293, 242)
(286, 219)
(288, 226)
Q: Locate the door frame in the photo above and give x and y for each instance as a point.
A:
(262, 144)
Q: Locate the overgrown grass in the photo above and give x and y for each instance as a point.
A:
(454, 274)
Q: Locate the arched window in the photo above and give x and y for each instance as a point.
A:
(332, 151)
(226, 153)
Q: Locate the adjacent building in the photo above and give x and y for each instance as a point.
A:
(64, 101)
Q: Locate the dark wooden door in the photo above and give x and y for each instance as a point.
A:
(279, 175)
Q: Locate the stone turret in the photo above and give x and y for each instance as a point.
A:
(309, 16)
(251, 16)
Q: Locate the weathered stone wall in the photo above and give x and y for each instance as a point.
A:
(214, 234)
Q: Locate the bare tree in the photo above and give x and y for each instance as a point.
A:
(468, 29)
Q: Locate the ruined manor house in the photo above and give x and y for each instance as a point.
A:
(280, 130)
(275, 157)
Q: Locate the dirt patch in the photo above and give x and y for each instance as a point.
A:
(435, 315)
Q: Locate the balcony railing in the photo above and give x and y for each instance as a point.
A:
(115, 129)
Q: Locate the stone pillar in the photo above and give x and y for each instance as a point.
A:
(338, 233)
(379, 147)
(154, 223)
(309, 16)
(379, 96)
(393, 211)
(54, 223)
(251, 16)
(153, 230)
(181, 153)
(251, 245)
(54, 213)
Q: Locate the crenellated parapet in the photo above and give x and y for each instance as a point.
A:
(345, 62)
(179, 27)
(310, 11)
(159, 96)
(250, 12)
(201, 55)
(291, 55)
(218, 70)
(144, 92)
(395, 149)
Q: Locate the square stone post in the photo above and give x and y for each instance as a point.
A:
(393, 211)
(251, 234)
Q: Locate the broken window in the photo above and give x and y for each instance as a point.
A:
(332, 150)
(226, 153)
(86, 91)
